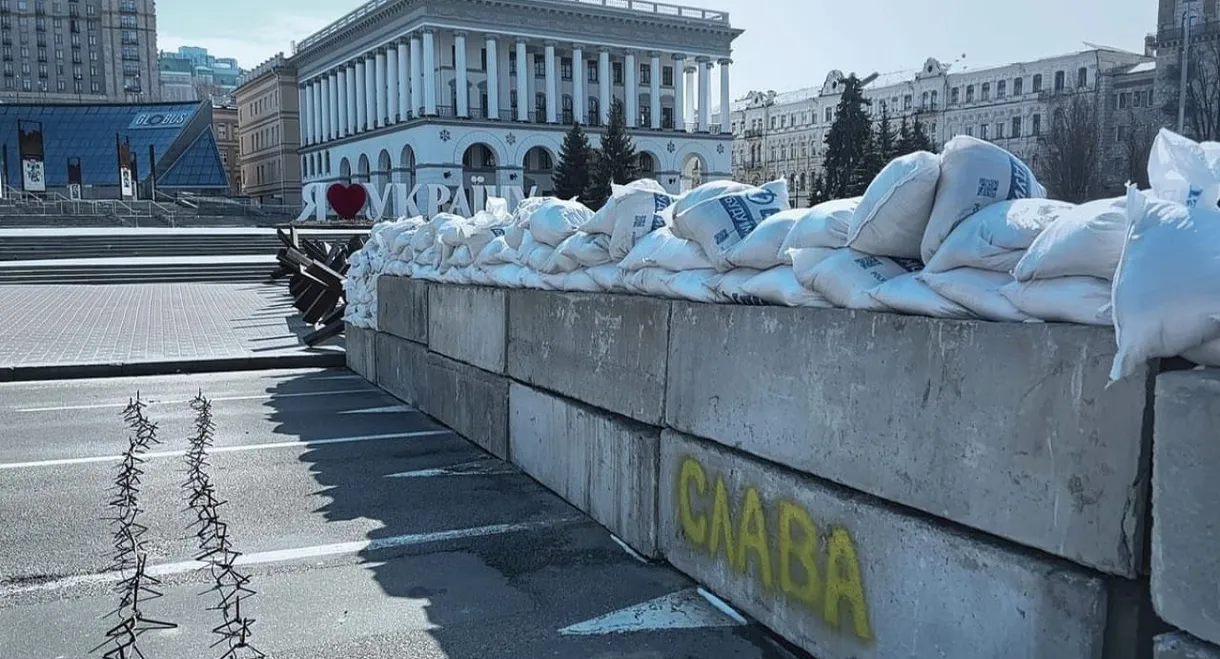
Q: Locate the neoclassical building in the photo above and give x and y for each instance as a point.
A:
(481, 92)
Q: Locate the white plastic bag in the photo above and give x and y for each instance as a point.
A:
(779, 286)
(604, 219)
(709, 190)
(1085, 241)
(1080, 300)
(662, 249)
(893, 214)
(1166, 296)
(977, 290)
(846, 276)
(760, 249)
(973, 175)
(908, 294)
(996, 237)
(552, 222)
(721, 223)
(824, 225)
(1182, 171)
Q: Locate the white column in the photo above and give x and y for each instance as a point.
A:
(523, 90)
(341, 110)
(305, 121)
(379, 89)
(493, 79)
(578, 85)
(362, 107)
(429, 71)
(705, 93)
(404, 83)
(680, 93)
(692, 95)
(552, 101)
(370, 90)
(353, 114)
(315, 115)
(461, 83)
(631, 91)
(323, 109)
(417, 84)
(335, 127)
(603, 77)
(391, 85)
(726, 118)
(654, 89)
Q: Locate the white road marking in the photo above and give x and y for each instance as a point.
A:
(382, 410)
(310, 443)
(99, 406)
(685, 609)
(297, 553)
(625, 547)
(473, 468)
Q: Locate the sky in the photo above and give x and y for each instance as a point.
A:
(787, 44)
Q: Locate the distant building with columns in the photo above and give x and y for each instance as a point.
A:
(467, 92)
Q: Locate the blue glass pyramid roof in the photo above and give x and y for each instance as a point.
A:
(198, 167)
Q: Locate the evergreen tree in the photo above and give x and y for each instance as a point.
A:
(920, 140)
(817, 191)
(904, 139)
(871, 162)
(846, 140)
(572, 173)
(617, 161)
(886, 141)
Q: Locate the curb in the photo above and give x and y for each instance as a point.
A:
(329, 359)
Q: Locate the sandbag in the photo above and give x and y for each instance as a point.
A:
(805, 262)
(1207, 354)
(1166, 297)
(893, 214)
(603, 220)
(639, 213)
(996, 237)
(690, 285)
(1182, 170)
(662, 249)
(908, 294)
(779, 286)
(730, 286)
(608, 276)
(973, 175)
(586, 249)
(977, 290)
(1086, 241)
(720, 224)
(760, 248)
(496, 252)
(824, 225)
(552, 222)
(709, 190)
(846, 276)
(1080, 300)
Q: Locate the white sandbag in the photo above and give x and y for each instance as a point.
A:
(1207, 354)
(496, 252)
(690, 285)
(579, 281)
(760, 249)
(662, 249)
(552, 222)
(526, 207)
(779, 286)
(845, 276)
(977, 290)
(1080, 300)
(586, 249)
(506, 275)
(421, 239)
(910, 295)
(805, 262)
(603, 220)
(540, 256)
(608, 276)
(730, 286)
(824, 225)
(461, 257)
(527, 247)
(893, 214)
(996, 237)
(479, 277)
(721, 223)
(1086, 241)
(709, 190)
(1181, 170)
(639, 213)
(973, 175)
(453, 230)
(536, 281)
(1166, 297)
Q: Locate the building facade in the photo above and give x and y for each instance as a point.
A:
(192, 74)
(82, 51)
(783, 135)
(1203, 16)
(268, 133)
(224, 125)
(468, 92)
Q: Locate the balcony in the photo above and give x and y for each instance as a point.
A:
(1173, 36)
(753, 133)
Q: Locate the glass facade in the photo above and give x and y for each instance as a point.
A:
(181, 140)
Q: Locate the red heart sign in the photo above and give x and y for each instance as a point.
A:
(346, 200)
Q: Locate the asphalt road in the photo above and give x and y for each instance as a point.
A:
(367, 531)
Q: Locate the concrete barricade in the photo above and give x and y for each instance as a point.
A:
(468, 323)
(402, 368)
(1177, 645)
(1003, 427)
(1186, 496)
(471, 401)
(603, 464)
(402, 307)
(605, 350)
(359, 344)
(845, 578)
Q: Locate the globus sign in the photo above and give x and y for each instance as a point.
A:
(347, 200)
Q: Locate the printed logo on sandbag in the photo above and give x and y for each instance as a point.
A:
(762, 197)
(497, 232)
(660, 202)
(910, 265)
(988, 187)
(739, 214)
(1019, 187)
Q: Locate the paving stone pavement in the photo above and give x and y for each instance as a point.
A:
(123, 323)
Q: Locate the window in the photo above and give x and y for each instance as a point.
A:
(970, 131)
(482, 67)
(923, 101)
(1036, 129)
(645, 74)
(539, 67)
(540, 105)
(1138, 101)
(667, 76)
(1001, 89)
(1017, 84)
(1016, 127)
(1082, 77)
(96, 86)
(1037, 83)
(906, 102)
(954, 96)
(617, 69)
(25, 84)
(983, 131)
(1123, 100)
(128, 22)
(667, 118)
(1059, 80)
(565, 68)
(969, 93)
(512, 63)
(76, 87)
(773, 123)
(512, 100)
(830, 114)
(592, 77)
(934, 101)
(130, 37)
(999, 130)
(985, 94)
(1120, 133)
(61, 85)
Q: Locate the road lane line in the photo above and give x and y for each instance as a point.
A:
(389, 409)
(310, 443)
(99, 406)
(297, 553)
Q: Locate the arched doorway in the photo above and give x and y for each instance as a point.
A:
(362, 169)
(406, 167)
(647, 165)
(345, 170)
(384, 165)
(478, 169)
(537, 168)
(693, 169)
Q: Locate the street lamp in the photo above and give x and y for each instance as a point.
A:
(1188, 17)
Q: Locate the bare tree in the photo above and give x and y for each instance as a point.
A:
(1202, 91)
(1071, 150)
(1137, 146)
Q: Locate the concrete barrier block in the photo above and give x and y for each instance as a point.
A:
(1003, 427)
(469, 324)
(402, 368)
(1177, 645)
(471, 402)
(603, 464)
(846, 578)
(360, 346)
(1186, 502)
(606, 350)
(402, 307)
